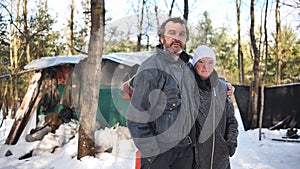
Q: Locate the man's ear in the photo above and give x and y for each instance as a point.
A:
(160, 46)
(160, 39)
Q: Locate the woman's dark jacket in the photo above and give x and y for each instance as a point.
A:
(217, 127)
(164, 104)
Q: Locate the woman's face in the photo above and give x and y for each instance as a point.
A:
(204, 67)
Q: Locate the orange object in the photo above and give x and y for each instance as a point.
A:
(127, 89)
(126, 96)
(62, 75)
(137, 159)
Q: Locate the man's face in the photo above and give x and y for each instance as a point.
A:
(175, 37)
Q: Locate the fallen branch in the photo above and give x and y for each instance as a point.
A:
(286, 140)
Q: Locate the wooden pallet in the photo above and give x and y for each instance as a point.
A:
(25, 110)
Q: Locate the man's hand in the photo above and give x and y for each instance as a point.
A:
(230, 90)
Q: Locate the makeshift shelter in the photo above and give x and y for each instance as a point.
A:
(57, 84)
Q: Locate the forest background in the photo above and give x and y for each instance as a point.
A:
(260, 49)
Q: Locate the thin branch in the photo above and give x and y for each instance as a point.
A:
(297, 5)
(77, 50)
(11, 18)
(171, 9)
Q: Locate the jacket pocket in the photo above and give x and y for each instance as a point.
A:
(223, 145)
(168, 117)
(231, 148)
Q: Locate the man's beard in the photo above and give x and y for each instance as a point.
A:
(169, 49)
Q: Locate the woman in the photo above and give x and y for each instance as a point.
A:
(217, 127)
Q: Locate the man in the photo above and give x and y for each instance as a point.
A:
(164, 104)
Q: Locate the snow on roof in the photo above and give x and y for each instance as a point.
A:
(129, 59)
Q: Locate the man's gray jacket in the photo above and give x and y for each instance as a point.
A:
(164, 105)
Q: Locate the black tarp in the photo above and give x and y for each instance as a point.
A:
(281, 103)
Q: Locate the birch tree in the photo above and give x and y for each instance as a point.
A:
(91, 83)
(14, 57)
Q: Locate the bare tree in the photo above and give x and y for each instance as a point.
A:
(253, 98)
(240, 51)
(264, 72)
(91, 83)
(156, 15)
(26, 35)
(278, 42)
(14, 59)
(186, 10)
(140, 34)
(86, 14)
(171, 8)
(71, 26)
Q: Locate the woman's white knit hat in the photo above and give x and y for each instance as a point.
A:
(202, 52)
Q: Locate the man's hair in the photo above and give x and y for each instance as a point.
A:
(161, 29)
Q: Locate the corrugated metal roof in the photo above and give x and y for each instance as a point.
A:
(45, 62)
(129, 59)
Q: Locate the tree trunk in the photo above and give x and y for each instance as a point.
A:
(14, 55)
(16, 58)
(186, 10)
(4, 104)
(261, 114)
(16, 96)
(253, 101)
(91, 83)
(70, 46)
(86, 15)
(26, 35)
(278, 42)
(156, 14)
(26, 30)
(139, 38)
(171, 9)
(11, 34)
(240, 51)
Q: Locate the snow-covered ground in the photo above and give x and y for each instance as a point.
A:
(251, 153)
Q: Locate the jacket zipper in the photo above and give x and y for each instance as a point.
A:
(214, 126)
